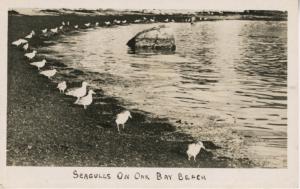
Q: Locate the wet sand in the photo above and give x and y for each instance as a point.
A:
(45, 128)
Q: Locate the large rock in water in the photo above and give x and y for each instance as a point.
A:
(157, 38)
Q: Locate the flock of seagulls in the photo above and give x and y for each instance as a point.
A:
(83, 97)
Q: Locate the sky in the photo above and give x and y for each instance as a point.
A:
(156, 4)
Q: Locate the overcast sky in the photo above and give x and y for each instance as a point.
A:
(157, 4)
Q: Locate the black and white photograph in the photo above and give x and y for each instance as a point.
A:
(144, 87)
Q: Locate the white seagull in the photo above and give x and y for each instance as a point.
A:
(97, 24)
(62, 86)
(30, 55)
(68, 23)
(48, 73)
(124, 21)
(194, 149)
(25, 47)
(44, 30)
(122, 119)
(39, 64)
(54, 30)
(61, 27)
(151, 20)
(107, 23)
(76, 26)
(87, 24)
(117, 21)
(78, 92)
(19, 42)
(86, 100)
(29, 36)
(167, 20)
(63, 23)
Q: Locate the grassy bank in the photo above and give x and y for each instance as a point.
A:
(45, 128)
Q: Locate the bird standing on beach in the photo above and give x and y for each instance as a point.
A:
(39, 64)
(76, 26)
(87, 25)
(25, 47)
(78, 92)
(54, 30)
(107, 23)
(44, 30)
(117, 21)
(30, 55)
(62, 86)
(86, 100)
(194, 149)
(29, 36)
(167, 20)
(19, 42)
(122, 119)
(97, 24)
(63, 23)
(124, 21)
(49, 73)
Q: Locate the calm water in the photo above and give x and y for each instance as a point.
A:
(229, 69)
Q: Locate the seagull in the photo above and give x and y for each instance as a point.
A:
(194, 149)
(19, 42)
(124, 21)
(117, 21)
(78, 92)
(61, 27)
(68, 23)
(107, 23)
(76, 26)
(39, 64)
(48, 73)
(86, 100)
(29, 36)
(137, 21)
(167, 20)
(44, 30)
(30, 55)
(172, 20)
(97, 24)
(63, 23)
(122, 119)
(144, 18)
(62, 86)
(25, 47)
(87, 24)
(54, 30)
(152, 20)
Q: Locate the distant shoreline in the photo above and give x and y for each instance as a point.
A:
(272, 15)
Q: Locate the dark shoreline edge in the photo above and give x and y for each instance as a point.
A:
(46, 129)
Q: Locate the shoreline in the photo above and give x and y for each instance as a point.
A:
(46, 129)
